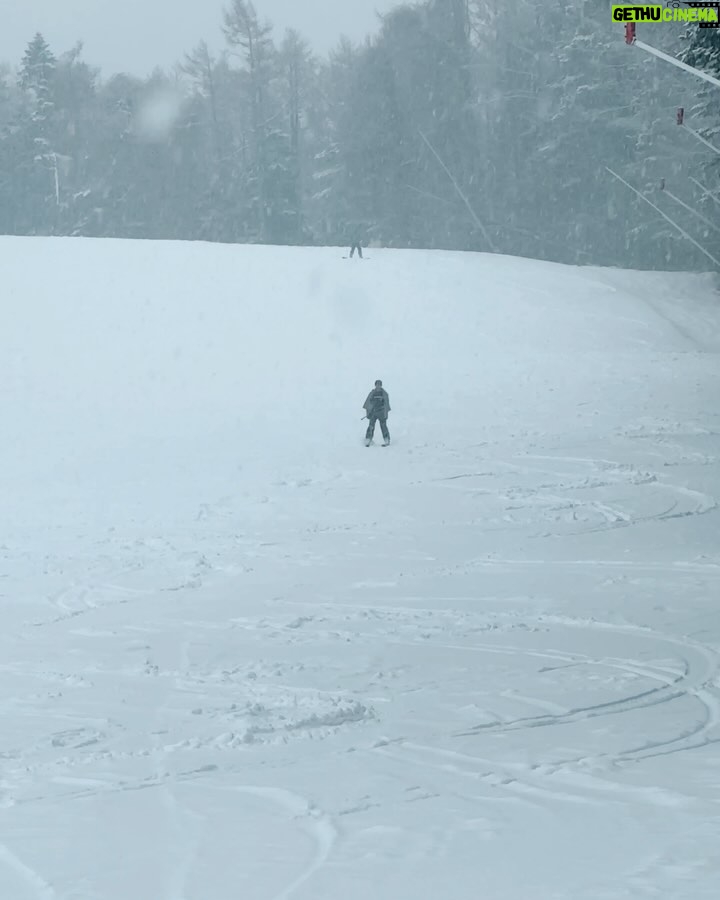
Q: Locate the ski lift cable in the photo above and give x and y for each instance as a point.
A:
(634, 42)
(702, 140)
(665, 216)
(461, 193)
(694, 212)
(706, 191)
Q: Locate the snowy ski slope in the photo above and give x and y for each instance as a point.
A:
(243, 656)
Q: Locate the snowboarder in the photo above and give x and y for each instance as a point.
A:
(377, 407)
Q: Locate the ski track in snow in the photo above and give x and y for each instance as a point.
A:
(40, 888)
(691, 683)
(309, 818)
(381, 669)
(557, 500)
(701, 667)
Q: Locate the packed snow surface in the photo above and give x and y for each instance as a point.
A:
(243, 656)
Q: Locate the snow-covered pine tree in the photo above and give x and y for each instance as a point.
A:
(38, 175)
(252, 41)
(296, 70)
(702, 51)
(37, 72)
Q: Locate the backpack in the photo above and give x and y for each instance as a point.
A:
(377, 402)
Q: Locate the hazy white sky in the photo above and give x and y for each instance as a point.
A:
(135, 35)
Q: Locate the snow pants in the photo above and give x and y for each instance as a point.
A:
(354, 248)
(372, 419)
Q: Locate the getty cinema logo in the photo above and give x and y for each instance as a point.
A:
(707, 15)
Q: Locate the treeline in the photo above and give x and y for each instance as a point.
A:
(462, 124)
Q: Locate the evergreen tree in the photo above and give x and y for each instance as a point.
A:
(37, 73)
(244, 31)
(702, 51)
(330, 199)
(76, 118)
(296, 78)
(468, 124)
(38, 173)
(8, 115)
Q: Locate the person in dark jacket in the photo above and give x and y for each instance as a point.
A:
(377, 407)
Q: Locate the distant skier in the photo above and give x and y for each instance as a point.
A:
(356, 237)
(377, 407)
